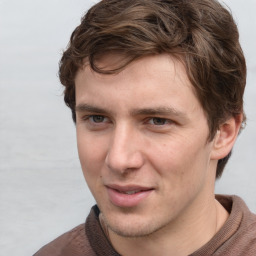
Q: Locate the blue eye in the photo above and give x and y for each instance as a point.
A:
(158, 121)
(97, 119)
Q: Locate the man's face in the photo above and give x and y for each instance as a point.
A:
(142, 142)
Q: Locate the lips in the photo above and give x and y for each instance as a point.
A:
(130, 192)
(128, 196)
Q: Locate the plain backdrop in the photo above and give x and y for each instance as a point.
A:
(42, 190)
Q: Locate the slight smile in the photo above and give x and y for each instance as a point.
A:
(128, 196)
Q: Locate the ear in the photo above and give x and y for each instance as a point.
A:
(225, 137)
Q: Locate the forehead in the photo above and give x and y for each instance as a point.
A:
(152, 67)
(146, 81)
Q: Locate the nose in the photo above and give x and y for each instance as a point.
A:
(125, 150)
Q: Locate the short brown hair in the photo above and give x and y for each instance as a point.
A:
(201, 33)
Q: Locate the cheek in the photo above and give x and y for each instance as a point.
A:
(182, 173)
(181, 160)
(91, 160)
(91, 154)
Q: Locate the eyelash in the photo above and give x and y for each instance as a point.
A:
(91, 119)
(152, 121)
(166, 121)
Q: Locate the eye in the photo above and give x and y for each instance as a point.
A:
(95, 122)
(159, 121)
(97, 119)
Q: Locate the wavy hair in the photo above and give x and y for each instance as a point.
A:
(200, 33)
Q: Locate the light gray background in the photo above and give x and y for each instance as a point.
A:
(42, 190)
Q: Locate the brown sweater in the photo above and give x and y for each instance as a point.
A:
(237, 237)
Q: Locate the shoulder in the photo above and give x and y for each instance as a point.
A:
(238, 234)
(73, 242)
(85, 239)
(240, 216)
(244, 237)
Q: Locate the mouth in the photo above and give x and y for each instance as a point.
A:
(128, 196)
(130, 192)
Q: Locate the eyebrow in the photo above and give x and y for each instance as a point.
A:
(161, 111)
(90, 108)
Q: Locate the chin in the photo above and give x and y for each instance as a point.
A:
(132, 226)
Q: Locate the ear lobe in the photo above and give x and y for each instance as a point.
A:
(225, 137)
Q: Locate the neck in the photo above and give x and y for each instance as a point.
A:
(181, 237)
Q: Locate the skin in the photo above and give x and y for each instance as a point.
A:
(145, 128)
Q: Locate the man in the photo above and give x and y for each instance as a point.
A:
(156, 92)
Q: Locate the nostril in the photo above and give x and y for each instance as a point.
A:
(124, 163)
